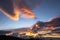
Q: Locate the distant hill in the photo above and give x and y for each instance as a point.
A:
(2, 32)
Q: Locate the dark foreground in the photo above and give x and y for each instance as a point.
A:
(3, 37)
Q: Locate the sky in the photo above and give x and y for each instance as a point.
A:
(46, 9)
